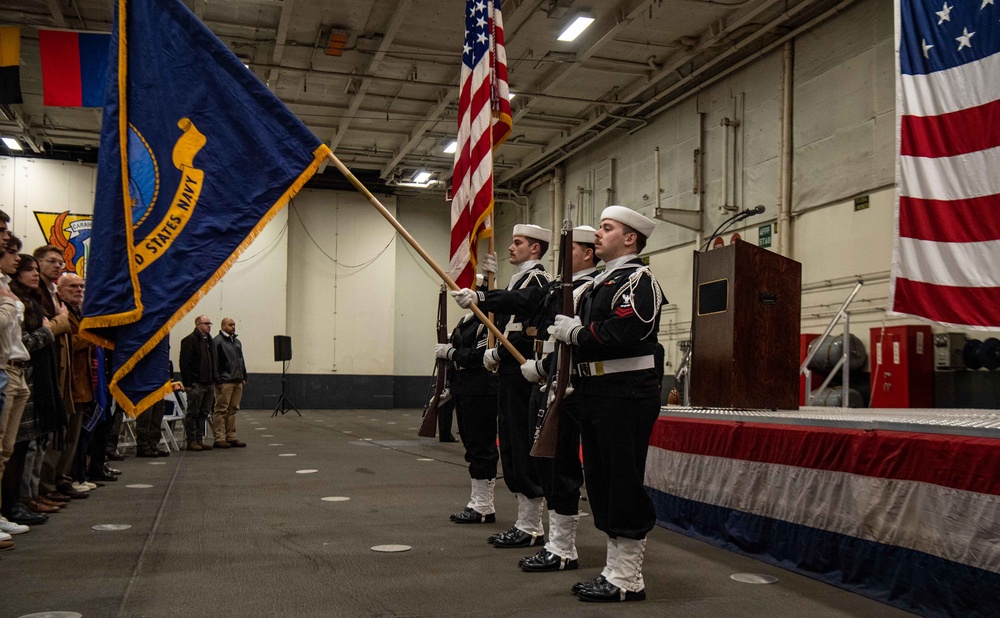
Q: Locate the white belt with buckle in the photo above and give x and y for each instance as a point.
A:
(513, 327)
(616, 365)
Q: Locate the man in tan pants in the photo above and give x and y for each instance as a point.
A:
(229, 388)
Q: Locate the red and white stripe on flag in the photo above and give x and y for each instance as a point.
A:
(946, 258)
(484, 122)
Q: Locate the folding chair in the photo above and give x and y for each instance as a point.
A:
(178, 401)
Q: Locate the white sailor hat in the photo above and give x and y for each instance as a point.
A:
(584, 234)
(630, 218)
(533, 231)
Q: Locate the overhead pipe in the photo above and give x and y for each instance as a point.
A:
(597, 133)
(785, 189)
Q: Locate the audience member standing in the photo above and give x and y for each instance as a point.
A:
(13, 355)
(199, 372)
(44, 418)
(229, 389)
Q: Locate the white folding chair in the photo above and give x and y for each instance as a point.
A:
(177, 399)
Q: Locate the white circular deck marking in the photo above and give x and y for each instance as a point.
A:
(391, 548)
(138, 486)
(310, 471)
(53, 615)
(286, 455)
(411, 427)
(157, 463)
(406, 415)
(367, 439)
(424, 459)
(260, 428)
(276, 444)
(753, 578)
(391, 423)
(582, 514)
(111, 527)
(335, 499)
(267, 435)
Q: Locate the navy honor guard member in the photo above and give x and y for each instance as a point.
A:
(475, 392)
(515, 423)
(619, 370)
(562, 476)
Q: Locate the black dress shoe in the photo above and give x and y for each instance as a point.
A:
(474, 517)
(161, 452)
(606, 592)
(493, 537)
(447, 439)
(19, 514)
(578, 586)
(454, 515)
(101, 478)
(67, 490)
(145, 452)
(518, 538)
(547, 561)
(111, 471)
(114, 456)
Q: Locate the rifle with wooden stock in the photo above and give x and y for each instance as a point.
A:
(547, 428)
(428, 427)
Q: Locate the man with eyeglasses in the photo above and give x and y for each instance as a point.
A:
(199, 373)
(56, 463)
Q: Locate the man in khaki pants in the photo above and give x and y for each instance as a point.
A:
(229, 388)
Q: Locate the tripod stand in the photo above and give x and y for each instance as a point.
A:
(284, 403)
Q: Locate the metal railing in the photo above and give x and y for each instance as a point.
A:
(842, 363)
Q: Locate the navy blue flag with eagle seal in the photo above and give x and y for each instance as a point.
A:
(196, 157)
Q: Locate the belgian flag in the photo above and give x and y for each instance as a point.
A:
(10, 64)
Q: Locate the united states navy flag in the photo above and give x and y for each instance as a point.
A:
(196, 157)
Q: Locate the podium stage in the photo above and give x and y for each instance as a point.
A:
(902, 506)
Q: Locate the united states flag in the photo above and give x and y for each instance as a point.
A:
(484, 122)
(946, 261)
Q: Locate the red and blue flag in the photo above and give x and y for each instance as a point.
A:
(74, 67)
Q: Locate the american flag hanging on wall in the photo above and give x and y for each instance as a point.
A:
(484, 122)
(946, 259)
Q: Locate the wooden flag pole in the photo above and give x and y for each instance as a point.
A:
(427, 258)
(491, 279)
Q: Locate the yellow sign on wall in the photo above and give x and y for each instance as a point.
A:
(70, 234)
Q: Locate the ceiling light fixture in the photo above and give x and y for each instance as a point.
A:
(12, 143)
(576, 28)
(451, 147)
(511, 96)
(421, 177)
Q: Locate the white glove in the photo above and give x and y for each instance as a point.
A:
(532, 371)
(491, 359)
(465, 297)
(489, 263)
(566, 328)
(444, 351)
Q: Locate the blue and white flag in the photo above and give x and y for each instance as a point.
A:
(196, 157)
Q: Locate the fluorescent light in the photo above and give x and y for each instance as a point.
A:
(578, 26)
(12, 143)
(510, 96)
(451, 147)
(421, 178)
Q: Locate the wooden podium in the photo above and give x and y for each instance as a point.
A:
(745, 332)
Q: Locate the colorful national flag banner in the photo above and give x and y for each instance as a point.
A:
(946, 259)
(196, 156)
(484, 122)
(74, 67)
(10, 65)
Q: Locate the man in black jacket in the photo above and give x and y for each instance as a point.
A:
(199, 372)
(229, 388)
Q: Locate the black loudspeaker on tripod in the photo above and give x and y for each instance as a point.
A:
(283, 354)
